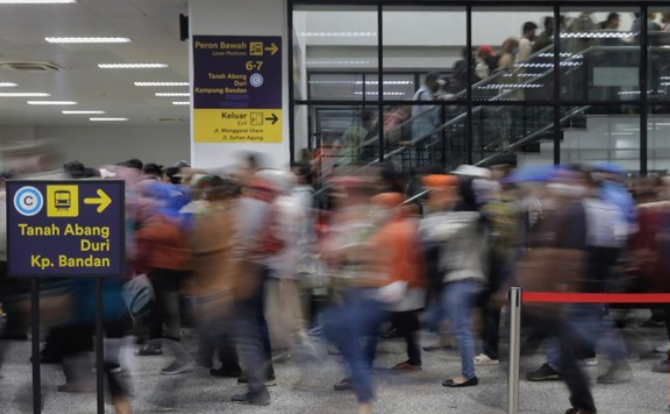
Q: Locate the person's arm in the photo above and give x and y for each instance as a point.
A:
(442, 227)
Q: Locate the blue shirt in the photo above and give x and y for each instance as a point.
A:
(621, 198)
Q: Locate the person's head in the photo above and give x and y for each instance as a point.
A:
(652, 15)
(570, 184)
(367, 116)
(665, 17)
(485, 52)
(442, 191)
(613, 21)
(171, 175)
(529, 29)
(303, 172)
(465, 53)
(510, 44)
(351, 191)
(153, 170)
(132, 163)
(433, 81)
(549, 24)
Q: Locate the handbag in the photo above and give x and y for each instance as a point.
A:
(138, 294)
(313, 274)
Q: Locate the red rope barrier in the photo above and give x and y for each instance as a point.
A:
(528, 297)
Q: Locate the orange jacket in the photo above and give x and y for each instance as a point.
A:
(161, 244)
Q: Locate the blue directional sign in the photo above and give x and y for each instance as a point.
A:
(65, 228)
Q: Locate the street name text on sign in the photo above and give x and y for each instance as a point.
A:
(237, 89)
(65, 228)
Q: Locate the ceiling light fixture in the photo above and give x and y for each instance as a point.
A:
(181, 103)
(24, 94)
(598, 35)
(161, 84)
(166, 94)
(338, 62)
(132, 65)
(8, 85)
(107, 119)
(51, 103)
(84, 112)
(87, 39)
(37, 1)
(377, 93)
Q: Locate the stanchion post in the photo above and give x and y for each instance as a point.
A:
(99, 347)
(514, 350)
(35, 327)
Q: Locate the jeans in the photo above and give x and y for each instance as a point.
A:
(586, 321)
(254, 347)
(458, 298)
(357, 318)
(166, 308)
(576, 381)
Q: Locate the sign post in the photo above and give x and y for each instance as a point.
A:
(237, 89)
(65, 229)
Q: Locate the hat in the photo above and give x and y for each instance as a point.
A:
(487, 50)
(472, 171)
(439, 181)
(436, 77)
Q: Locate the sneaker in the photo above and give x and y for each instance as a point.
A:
(545, 373)
(262, 398)
(617, 374)
(588, 362)
(177, 368)
(391, 334)
(662, 367)
(483, 360)
(149, 350)
(281, 356)
(270, 381)
(663, 349)
(437, 347)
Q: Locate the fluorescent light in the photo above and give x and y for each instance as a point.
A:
(338, 62)
(598, 35)
(107, 119)
(8, 85)
(84, 112)
(132, 65)
(338, 34)
(24, 94)
(163, 94)
(377, 93)
(37, 1)
(51, 103)
(512, 85)
(352, 82)
(87, 39)
(160, 84)
(181, 103)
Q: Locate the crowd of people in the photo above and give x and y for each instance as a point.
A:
(259, 273)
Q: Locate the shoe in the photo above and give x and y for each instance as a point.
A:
(588, 362)
(662, 367)
(437, 347)
(545, 373)
(617, 374)
(469, 383)
(251, 398)
(114, 369)
(76, 388)
(149, 350)
(224, 373)
(344, 385)
(663, 349)
(483, 360)
(406, 366)
(579, 411)
(270, 381)
(281, 356)
(176, 368)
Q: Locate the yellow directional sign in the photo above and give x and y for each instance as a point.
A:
(273, 49)
(102, 200)
(238, 125)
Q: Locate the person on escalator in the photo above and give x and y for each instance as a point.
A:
(425, 117)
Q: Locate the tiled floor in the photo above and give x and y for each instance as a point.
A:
(306, 387)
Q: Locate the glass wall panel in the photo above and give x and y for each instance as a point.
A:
(600, 54)
(424, 40)
(659, 58)
(513, 54)
(334, 39)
